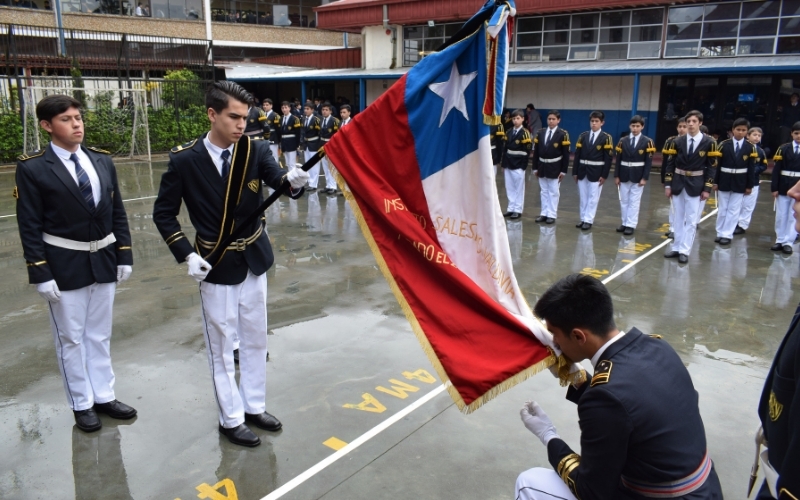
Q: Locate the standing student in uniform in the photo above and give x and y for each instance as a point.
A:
(497, 138)
(666, 152)
(749, 202)
(515, 161)
(634, 160)
(690, 175)
(77, 247)
(310, 143)
(329, 125)
(274, 123)
(734, 179)
(218, 177)
(785, 174)
(345, 111)
(289, 132)
(550, 162)
(594, 152)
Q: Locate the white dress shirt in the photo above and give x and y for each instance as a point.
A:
(697, 138)
(596, 135)
(215, 152)
(87, 166)
(738, 144)
(345, 122)
(635, 139)
(605, 346)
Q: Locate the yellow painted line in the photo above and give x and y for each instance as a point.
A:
(335, 443)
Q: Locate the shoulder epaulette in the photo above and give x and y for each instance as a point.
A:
(35, 154)
(654, 336)
(602, 373)
(98, 150)
(651, 147)
(183, 147)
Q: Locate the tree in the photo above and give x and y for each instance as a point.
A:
(182, 89)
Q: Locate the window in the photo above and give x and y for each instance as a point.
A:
(419, 41)
(623, 34)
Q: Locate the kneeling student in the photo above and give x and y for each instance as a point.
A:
(515, 160)
(634, 159)
(593, 154)
(734, 179)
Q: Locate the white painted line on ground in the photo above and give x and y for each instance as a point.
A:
(649, 253)
(123, 201)
(309, 473)
(297, 481)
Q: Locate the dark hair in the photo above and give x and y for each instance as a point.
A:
(740, 122)
(530, 106)
(796, 127)
(347, 107)
(517, 112)
(267, 100)
(795, 94)
(696, 114)
(326, 104)
(637, 119)
(318, 98)
(598, 114)
(555, 113)
(682, 119)
(53, 105)
(755, 129)
(309, 105)
(577, 301)
(704, 129)
(286, 103)
(219, 94)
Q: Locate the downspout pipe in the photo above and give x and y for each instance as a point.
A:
(393, 33)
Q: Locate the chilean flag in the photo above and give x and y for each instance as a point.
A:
(416, 168)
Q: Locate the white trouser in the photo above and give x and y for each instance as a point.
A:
(274, 149)
(242, 309)
(630, 197)
(515, 189)
(514, 230)
(703, 207)
(330, 181)
(314, 215)
(686, 210)
(541, 484)
(784, 221)
(589, 193)
(549, 196)
(671, 218)
(81, 324)
(748, 206)
(330, 221)
(729, 205)
(313, 174)
(584, 258)
(290, 158)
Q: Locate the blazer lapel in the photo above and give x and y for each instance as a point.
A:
(207, 168)
(103, 175)
(60, 171)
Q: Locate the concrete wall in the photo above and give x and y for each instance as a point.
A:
(377, 87)
(576, 97)
(377, 47)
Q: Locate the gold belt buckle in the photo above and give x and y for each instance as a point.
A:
(240, 244)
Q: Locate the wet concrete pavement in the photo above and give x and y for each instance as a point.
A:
(340, 344)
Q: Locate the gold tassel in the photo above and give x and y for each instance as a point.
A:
(491, 119)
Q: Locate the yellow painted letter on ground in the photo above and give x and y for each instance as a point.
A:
(421, 375)
(398, 390)
(369, 404)
(213, 493)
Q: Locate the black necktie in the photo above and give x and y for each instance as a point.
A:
(691, 145)
(549, 136)
(226, 165)
(84, 184)
(325, 123)
(633, 141)
(737, 148)
(591, 139)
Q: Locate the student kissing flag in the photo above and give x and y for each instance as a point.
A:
(426, 200)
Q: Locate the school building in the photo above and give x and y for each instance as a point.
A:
(657, 58)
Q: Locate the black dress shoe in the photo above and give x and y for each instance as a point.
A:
(264, 421)
(671, 255)
(724, 241)
(670, 234)
(550, 220)
(787, 249)
(241, 435)
(579, 225)
(621, 229)
(508, 214)
(683, 259)
(115, 409)
(515, 216)
(628, 231)
(586, 226)
(236, 356)
(777, 247)
(716, 240)
(310, 190)
(87, 420)
(739, 230)
(541, 218)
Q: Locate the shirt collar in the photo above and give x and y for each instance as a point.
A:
(517, 129)
(61, 152)
(605, 346)
(552, 129)
(695, 137)
(214, 150)
(595, 133)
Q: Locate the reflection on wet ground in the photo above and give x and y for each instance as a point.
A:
(338, 345)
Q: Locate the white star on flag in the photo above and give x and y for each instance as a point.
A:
(452, 91)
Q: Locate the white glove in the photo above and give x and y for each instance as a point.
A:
(49, 291)
(198, 268)
(123, 273)
(537, 421)
(297, 178)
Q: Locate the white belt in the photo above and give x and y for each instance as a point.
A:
(632, 163)
(83, 246)
(549, 160)
(254, 132)
(326, 139)
(790, 173)
(316, 138)
(735, 170)
(494, 147)
(592, 162)
(517, 153)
